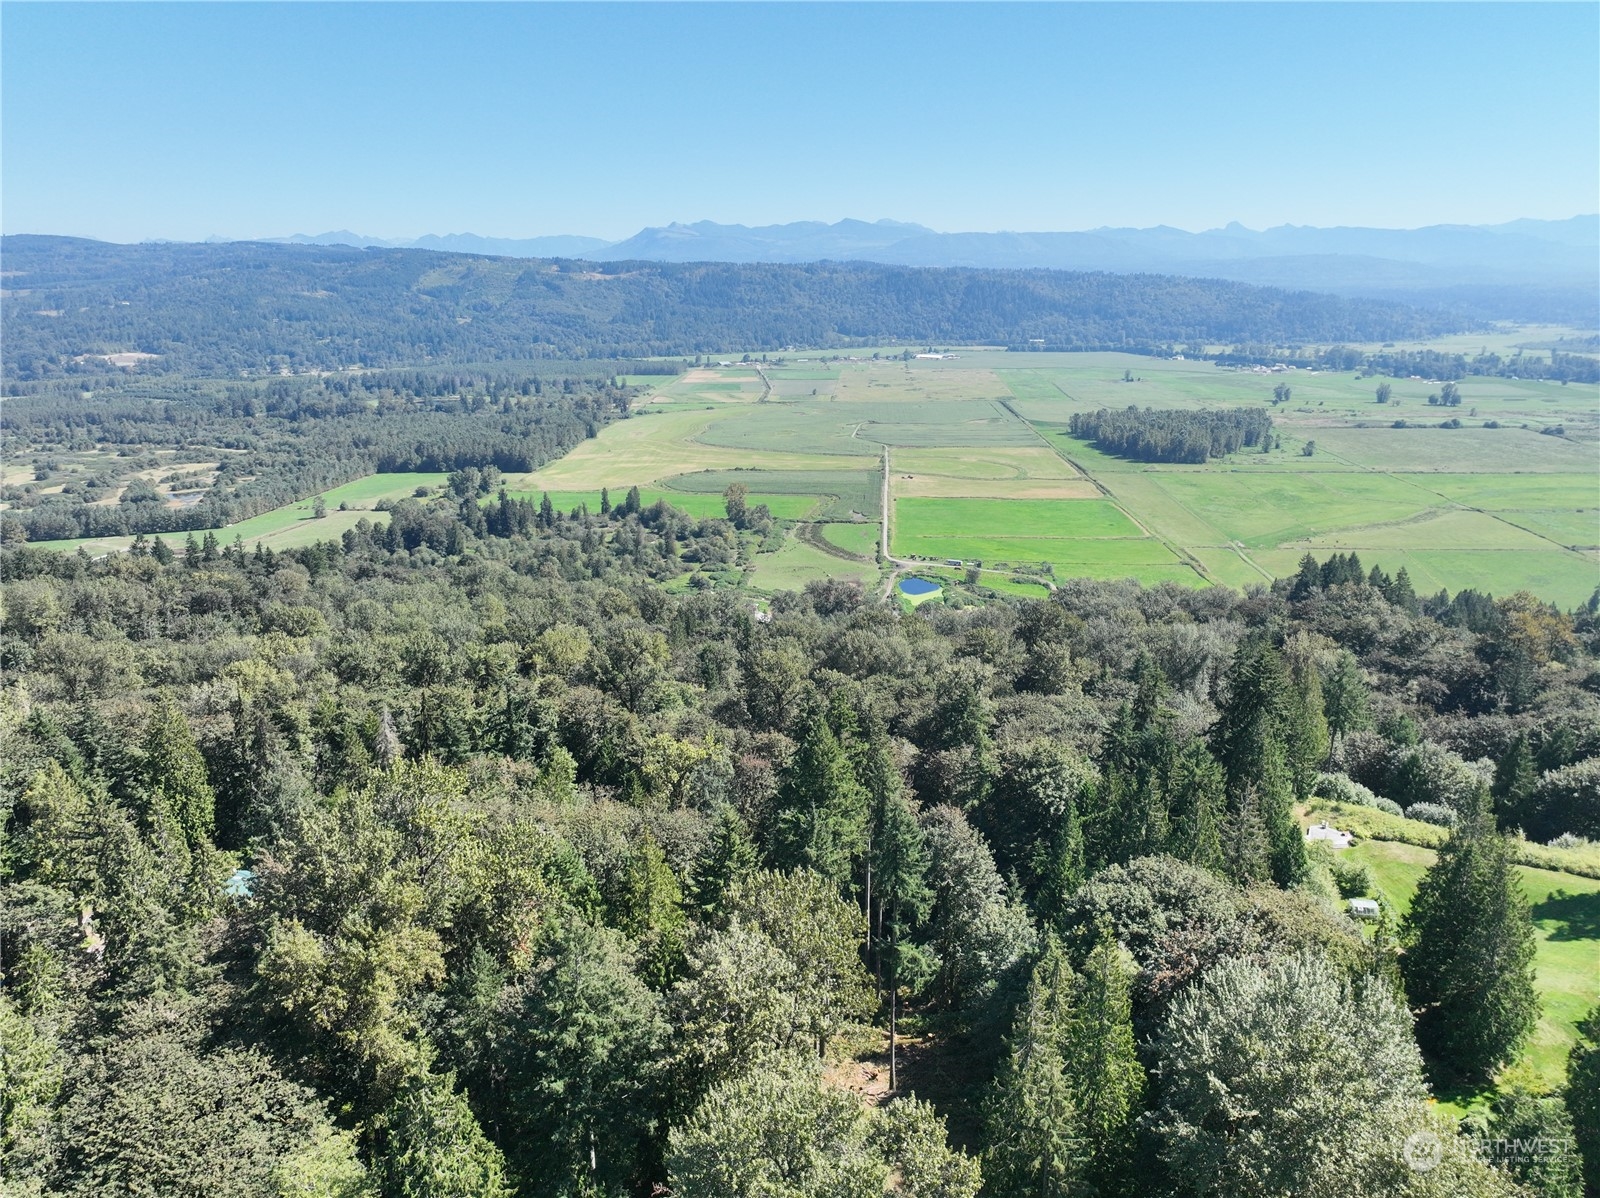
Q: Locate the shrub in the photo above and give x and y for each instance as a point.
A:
(1388, 806)
(1568, 800)
(1341, 788)
(1433, 813)
(1353, 878)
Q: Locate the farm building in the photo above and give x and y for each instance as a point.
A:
(1363, 908)
(1335, 837)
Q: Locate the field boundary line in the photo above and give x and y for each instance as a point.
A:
(1411, 477)
(1181, 553)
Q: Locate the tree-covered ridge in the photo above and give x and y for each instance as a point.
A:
(562, 883)
(276, 441)
(1151, 435)
(221, 309)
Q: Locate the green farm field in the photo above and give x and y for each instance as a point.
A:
(860, 538)
(980, 466)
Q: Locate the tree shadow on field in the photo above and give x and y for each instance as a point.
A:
(1577, 916)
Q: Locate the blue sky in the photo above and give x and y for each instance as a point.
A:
(132, 121)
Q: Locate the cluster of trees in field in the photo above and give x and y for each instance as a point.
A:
(222, 309)
(1149, 435)
(279, 440)
(1433, 364)
(1404, 363)
(467, 859)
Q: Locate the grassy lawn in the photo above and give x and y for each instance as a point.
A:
(1566, 919)
(365, 492)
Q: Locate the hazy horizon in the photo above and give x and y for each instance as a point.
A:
(186, 122)
(354, 228)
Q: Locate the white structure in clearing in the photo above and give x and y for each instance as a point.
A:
(1335, 837)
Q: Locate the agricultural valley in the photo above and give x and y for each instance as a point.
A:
(488, 728)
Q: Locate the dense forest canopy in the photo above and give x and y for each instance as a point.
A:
(497, 848)
(462, 857)
(222, 309)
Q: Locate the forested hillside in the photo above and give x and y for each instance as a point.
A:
(461, 857)
(221, 309)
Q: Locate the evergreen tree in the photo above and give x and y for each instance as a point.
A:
(1582, 1096)
(434, 1148)
(175, 783)
(729, 857)
(1308, 581)
(1254, 732)
(1401, 594)
(605, 501)
(1245, 854)
(960, 725)
(1306, 725)
(1514, 780)
(904, 899)
(820, 818)
(1530, 1137)
(1344, 698)
(1101, 1060)
(1199, 807)
(651, 913)
(1131, 814)
(579, 1040)
(1034, 1146)
(1469, 943)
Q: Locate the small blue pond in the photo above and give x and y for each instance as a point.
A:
(918, 586)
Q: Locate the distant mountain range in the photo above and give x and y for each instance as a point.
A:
(1524, 269)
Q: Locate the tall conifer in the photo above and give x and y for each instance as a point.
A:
(1469, 946)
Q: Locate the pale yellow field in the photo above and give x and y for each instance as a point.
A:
(651, 447)
(892, 382)
(944, 487)
(998, 462)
